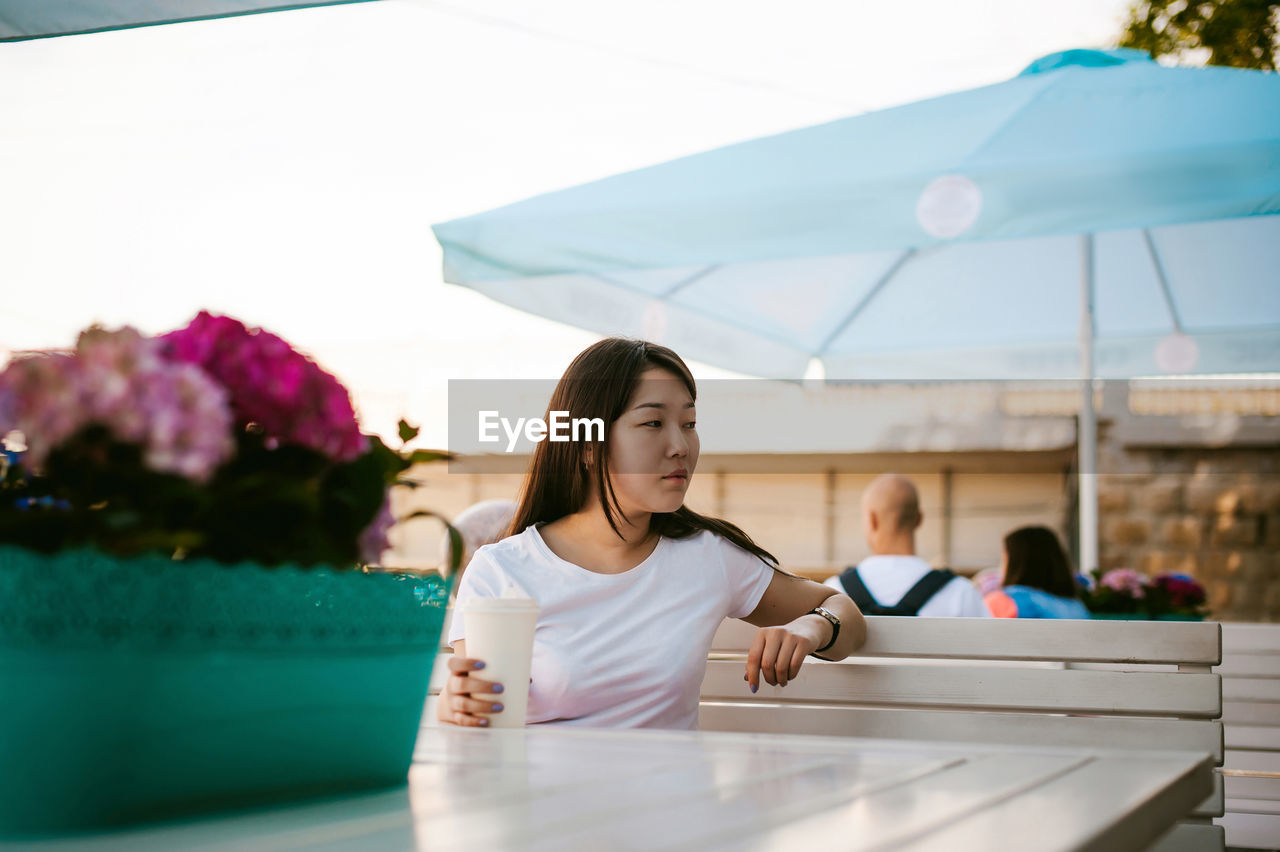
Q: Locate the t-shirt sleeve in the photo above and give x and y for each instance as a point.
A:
(480, 580)
(747, 576)
(1001, 605)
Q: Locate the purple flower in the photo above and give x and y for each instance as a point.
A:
(1126, 581)
(1183, 592)
(374, 540)
(271, 385)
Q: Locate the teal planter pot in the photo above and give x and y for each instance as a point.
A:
(135, 689)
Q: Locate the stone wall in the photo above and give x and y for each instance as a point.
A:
(810, 520)
(1210, 513)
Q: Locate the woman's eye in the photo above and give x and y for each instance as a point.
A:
(657, 423)
(692, 424)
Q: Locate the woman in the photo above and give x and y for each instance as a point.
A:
(631, 584)
(1037, 581)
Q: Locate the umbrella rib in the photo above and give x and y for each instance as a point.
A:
(1163, 279)
(685, 282)
(622, 285)
(866, 300)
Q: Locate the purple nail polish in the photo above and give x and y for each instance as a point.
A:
(484, 723)
(479, 665)
(497, 687)
(753, 687)
(497, 708)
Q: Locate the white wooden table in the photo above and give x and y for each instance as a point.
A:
(558, 789)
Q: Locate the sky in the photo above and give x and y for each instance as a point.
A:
(286, 168)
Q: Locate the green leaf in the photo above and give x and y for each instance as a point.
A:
(455, 538)
(424, 456)
(407, 432)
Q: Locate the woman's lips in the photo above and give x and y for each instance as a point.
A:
(680, 475)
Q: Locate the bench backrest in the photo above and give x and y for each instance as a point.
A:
(1122, 684)
(969, 669)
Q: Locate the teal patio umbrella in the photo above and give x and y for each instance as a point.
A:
(26, 19)
(1097, 216)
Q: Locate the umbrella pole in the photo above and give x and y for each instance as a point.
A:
(1087, 440)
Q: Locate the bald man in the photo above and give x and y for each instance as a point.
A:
(893, 580)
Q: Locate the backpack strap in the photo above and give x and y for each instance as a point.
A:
(919, 594)
(856, 589)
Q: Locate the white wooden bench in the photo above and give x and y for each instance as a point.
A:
(1138, 685)
(1250, 673)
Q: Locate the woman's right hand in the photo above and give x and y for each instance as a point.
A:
(459, 704)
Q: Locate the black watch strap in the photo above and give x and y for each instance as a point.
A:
(833, 620)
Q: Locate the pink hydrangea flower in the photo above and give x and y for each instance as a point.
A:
(178, 415)
(1126, 580)
(272, 385)
(42, 395)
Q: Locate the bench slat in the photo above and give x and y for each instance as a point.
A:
(1253, 761)
(1250, 713)
(1255, 738)
(1254, 806)
(1248, 665)
(1250, 689)
(1108, 693)
(1022, 639)
(1251, 638)
(1071, 691)
(956, 725)
(1262, 787)
(1251, 831)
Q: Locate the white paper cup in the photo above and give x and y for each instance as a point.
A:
(499, 631)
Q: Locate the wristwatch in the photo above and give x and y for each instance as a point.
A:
(833, 620)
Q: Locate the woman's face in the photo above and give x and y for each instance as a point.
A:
(653, 446)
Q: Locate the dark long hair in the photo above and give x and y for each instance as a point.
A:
(599, 383)
(1037, 560)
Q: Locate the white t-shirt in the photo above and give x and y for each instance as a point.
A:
(888, 578)
(622, 650)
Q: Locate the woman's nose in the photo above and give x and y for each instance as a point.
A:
(679, 444)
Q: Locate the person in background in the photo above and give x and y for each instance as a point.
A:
(893, 580)
(1037, 578)
(479, 524)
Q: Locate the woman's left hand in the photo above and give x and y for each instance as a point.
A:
(778, 652)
